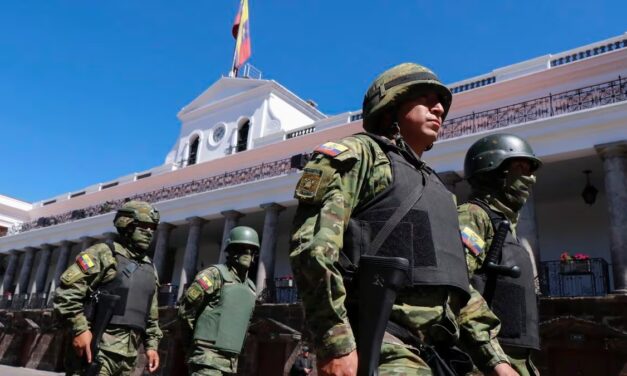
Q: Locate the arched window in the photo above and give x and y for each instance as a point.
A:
(242, 137)
(193, 151)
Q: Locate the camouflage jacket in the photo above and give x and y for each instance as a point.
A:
(82, 278)
(340, 177)
(476, 316)
(205, 291)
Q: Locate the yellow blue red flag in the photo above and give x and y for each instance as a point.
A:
(241, 31)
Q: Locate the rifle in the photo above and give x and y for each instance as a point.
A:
(492, 264)
(105, 304)
(380, 278)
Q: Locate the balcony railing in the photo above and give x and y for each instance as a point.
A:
(231, 178)
(539, 108)
(575, 278)
(280, 290)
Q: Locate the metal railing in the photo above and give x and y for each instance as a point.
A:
(575, 278)
(167, 295)
(280, 290)
(228, 179)
(539, 108)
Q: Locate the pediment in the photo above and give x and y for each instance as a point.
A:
(225, 87)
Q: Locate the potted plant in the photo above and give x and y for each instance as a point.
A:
(577, 264)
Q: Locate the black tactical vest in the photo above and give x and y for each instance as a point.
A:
(514, 300)
(135, 283)
(428, 236)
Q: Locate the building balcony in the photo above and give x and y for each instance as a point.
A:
(574, 278)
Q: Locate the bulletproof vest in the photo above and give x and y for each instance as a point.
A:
(427, 236)
(225, 324)
(135, 283)
(514, 300)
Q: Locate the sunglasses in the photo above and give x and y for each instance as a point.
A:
(146, 225)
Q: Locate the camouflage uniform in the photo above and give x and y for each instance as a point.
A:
(202, 359)
(210, 299)
(499, 168)
(328, 192)
(118, 347)
(473, 217)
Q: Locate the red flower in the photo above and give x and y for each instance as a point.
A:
(565, 257)
(581, 257)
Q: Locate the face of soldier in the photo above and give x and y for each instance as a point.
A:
(142, 234)
(419, 120)
(242, 255)
(518, 182)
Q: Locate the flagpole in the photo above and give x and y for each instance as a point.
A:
(233, 71)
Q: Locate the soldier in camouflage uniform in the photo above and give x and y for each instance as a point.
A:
(120, 268)
(355, 183)
(218, 306)
(500, 171)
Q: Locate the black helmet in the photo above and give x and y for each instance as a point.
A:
(490, 152)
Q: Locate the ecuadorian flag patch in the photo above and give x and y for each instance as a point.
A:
(472, 241)
(331, 149)
(85, 262)
(204, 281)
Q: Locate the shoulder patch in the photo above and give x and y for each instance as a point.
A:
(71, 275)
(193, 293)
(85, 262)
(204, 282)
(308, 184)
(472, 241)
(332, 149)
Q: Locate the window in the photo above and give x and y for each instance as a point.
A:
(193, 151)
(242, 137)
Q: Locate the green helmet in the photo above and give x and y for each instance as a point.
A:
(490, 152)
(133, 211)
(242, 235)
(397, 84)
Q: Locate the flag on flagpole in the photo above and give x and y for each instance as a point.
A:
(241, 32)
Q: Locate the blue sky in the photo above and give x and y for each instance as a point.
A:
(89, 90)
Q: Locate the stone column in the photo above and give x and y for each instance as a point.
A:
(231, 218)
(161, 248)
(42, 268)
(528, 226)
(450, 179)
(25, 272)
(267, 251)
(63, 259)
(614, 156)
(190, 258)
(9, 274)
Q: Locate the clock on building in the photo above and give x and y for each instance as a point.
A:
(218, 133)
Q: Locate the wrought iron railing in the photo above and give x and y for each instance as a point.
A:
(231, 178)
(575, 278)
(539, 108)
(280, 290)
(167, 295)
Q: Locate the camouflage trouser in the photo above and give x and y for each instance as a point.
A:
(204, 361)
(400, 360)
(521, 361)
(112, 364)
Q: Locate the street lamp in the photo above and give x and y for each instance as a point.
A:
(589, 193)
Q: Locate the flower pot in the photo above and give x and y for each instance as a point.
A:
(576, 267)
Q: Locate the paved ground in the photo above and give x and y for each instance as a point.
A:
(17, 371)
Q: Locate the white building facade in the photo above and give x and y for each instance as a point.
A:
(233, 164)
